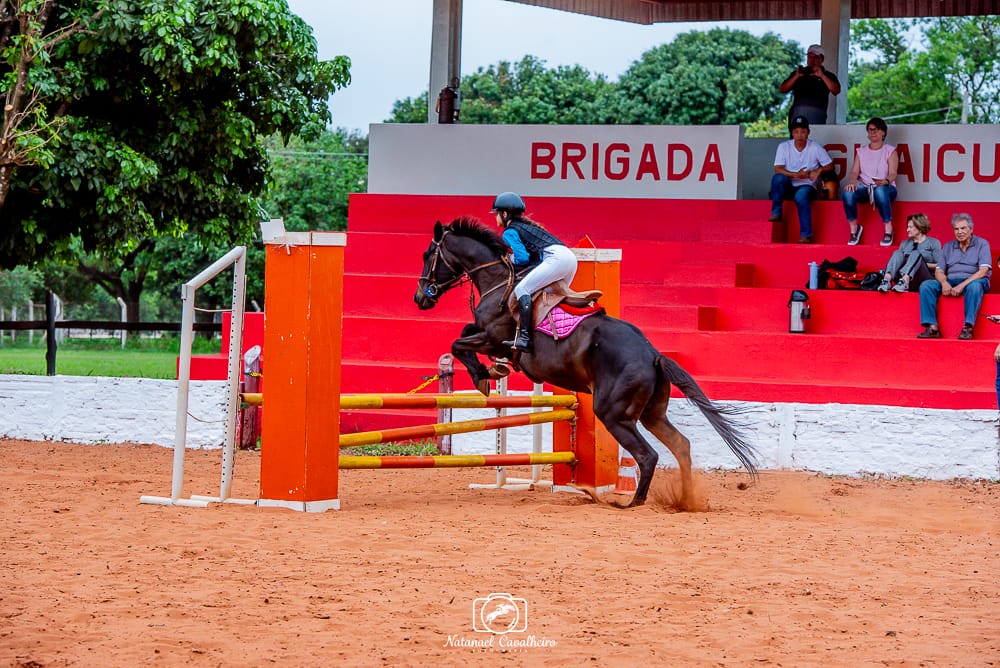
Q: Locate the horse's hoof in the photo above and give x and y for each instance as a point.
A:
(498, 371)
(484, 387)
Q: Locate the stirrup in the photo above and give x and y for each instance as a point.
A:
(521, 342)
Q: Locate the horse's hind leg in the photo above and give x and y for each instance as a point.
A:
(654, 418)
(628, 436)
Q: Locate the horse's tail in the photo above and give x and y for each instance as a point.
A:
(717, 415)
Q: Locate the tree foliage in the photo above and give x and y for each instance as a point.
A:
(926, 71)
(701, 78)
(719, 76)
(161, 107)
(522, 93)
(18, 286)
(311, 181)
(527, 92)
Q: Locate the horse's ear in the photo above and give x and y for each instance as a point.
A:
(438, 231)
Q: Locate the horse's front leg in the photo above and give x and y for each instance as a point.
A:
(466, 350)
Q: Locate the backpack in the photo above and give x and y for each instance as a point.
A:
(846, 266)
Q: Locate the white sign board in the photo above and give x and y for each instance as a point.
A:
(937, 163)
(645, 161)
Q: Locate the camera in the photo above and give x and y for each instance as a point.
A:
(500, 613)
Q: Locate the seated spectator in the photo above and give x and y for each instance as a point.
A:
(798, 164)
(872, 179)
(963, 270)
(916, 258)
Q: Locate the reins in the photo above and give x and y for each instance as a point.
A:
(433, 289)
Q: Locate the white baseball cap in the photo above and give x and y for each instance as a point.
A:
(817, 49)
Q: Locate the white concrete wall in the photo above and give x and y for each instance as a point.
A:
(93, 409)
(843, 439)
(840, 439)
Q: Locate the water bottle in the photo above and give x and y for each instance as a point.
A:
(813, 275)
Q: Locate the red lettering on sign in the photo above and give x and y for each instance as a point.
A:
(838, 153)
(905, 163)
(712, 164)
(614, 161)
(949, 148)
(542, 164)
(647, 164)
(611, 157)
(927, 163)
(572, 155)
(977, 172)
(673, 174)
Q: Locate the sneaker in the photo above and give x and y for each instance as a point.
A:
(966, 333)
(774, 218)
(886, 239)
(903, 285)
(805, 240)
(885, 285)
(929, 333)
(855, 237)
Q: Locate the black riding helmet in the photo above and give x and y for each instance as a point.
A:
(508, 202)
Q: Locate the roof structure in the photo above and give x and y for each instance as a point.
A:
(666, 11)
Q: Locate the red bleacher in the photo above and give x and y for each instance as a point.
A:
(708, 281)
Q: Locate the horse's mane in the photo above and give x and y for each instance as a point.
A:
(467, 226)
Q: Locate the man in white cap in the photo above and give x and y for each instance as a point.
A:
(811, 87)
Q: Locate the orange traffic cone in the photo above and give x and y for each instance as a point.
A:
(628, 474)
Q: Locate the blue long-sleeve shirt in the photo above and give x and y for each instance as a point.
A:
(513, 239)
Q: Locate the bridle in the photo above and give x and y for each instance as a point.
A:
(433, 289)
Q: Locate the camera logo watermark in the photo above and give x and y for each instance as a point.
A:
(500, 619)
(499, 614)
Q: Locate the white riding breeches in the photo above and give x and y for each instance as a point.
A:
(558, 263)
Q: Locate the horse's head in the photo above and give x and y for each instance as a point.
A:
(440, 273)
(458, 250)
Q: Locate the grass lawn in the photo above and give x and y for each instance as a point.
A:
(96, 357)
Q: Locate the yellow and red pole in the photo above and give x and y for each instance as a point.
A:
(462, 427)
(451, 461)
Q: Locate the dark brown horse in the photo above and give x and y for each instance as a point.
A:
(607, 357)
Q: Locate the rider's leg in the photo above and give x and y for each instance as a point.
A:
(558, 263)
(522, 341)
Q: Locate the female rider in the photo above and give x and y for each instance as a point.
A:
(532, 246)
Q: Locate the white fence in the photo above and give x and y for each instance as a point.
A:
(840, 439)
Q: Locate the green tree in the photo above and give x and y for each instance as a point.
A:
(161, 108)
(410, 110)
(311, 181)
(967, 49)
(528, 92)
(521, 93)
(19, 285)
(720, 76)
(925, 71)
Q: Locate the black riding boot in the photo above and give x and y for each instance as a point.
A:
(522, 341)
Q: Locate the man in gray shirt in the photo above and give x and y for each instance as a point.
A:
(964, 270)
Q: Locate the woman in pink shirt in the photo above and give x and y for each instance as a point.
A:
(872, 179)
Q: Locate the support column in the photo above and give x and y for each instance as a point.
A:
(300, 438)
(835, 33)
(596, 450)
(446, 50)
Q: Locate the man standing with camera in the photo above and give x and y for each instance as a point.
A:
(811, 86)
